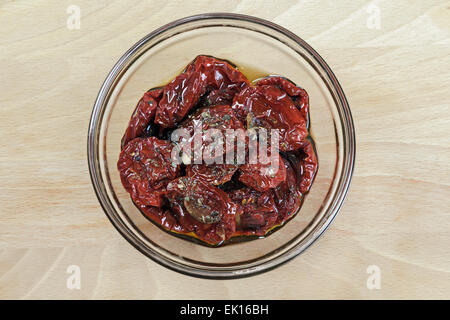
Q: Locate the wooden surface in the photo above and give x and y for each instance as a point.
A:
(396, 216)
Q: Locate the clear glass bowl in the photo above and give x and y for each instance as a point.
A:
(259, 48)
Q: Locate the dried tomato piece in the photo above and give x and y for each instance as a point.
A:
(255, 221)
(204, 202)
(263, 176)
(143, 115)
(254, 201)
(162, 217)
(309, 165)
(259, 210)
(269, 107)
(220, 118)
(297, 94)
(204, 74)
(215, 174)
(288, 197)
(145, 168)
(216, 97)
(203, 209)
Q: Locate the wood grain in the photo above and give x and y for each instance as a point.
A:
(397, 81)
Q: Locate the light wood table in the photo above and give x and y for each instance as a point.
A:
(395, 71)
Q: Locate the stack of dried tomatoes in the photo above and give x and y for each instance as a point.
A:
(216, 203)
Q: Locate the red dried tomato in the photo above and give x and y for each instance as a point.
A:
(259, 210)
(269, 107)
(145, 168)
(220, 118)
(162, 217)
(309, 165)
(215, 174)
(143, 115)
(203, 209)
(288, 197)
(297, 94)
(204, 74)
(263, 176)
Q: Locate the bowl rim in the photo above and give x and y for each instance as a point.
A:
(342, 187)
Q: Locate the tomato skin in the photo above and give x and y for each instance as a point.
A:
(309, 165)
(143, 115)
(201, 75)
(298, 95)
(145, 168)
(254, 201)
(262, 177)
(162, 217)
(214, 219)
(269, 107)
(259, 210)
(219, 117)
(204, 202)
(215, 174)
(288, 197)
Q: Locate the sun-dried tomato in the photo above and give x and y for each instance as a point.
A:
(202, 208)
(309, 165)
(203, 75)
(288, 197)
(259, 210)
(219, 118)
(143, 115)
(145, 168)
(297, 94)
(215, 174)
(269, 107)
(263, 176)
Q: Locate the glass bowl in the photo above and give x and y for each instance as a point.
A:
(259, 48)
